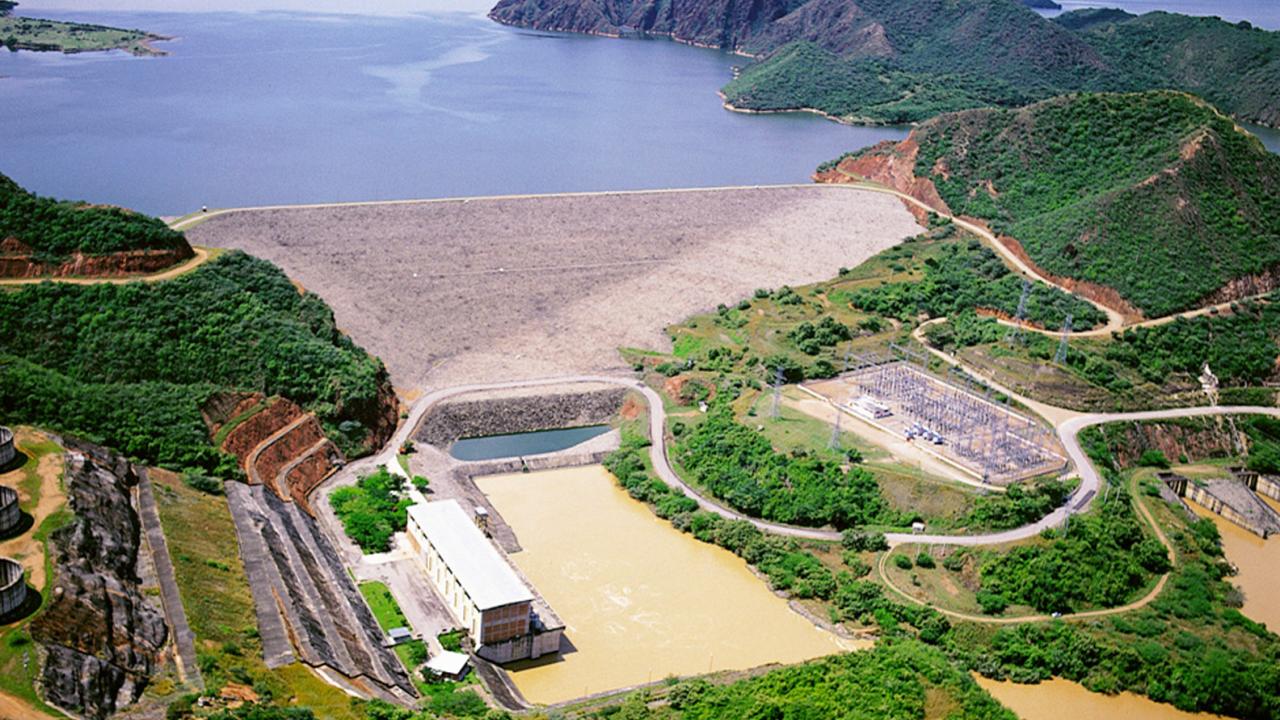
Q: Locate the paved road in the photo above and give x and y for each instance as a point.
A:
(1068, 432)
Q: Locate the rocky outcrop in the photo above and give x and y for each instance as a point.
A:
(1194, 438)
(517, 412)
(102, 637)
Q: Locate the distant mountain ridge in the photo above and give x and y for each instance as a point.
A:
(892, 61)
(1151, 202)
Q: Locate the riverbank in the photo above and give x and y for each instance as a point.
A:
(40, 35)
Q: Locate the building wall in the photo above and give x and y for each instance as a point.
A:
(525, 647)
(504, 623)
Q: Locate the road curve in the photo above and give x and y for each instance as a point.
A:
(1090, 480)
(1136, 604)
(1068, 432)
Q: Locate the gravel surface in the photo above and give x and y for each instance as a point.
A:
(491, 289)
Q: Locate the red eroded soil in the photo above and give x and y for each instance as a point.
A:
(308, 474)
(891, 164)
(1100, 294)
(250, 433)
(286, 448)
(17, 261)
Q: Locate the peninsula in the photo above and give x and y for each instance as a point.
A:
(24, 33)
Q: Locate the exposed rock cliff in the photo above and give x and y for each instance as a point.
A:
(102, 637)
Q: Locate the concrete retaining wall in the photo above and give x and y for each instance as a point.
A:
(517, 412)
(10, 511)
(13, 586)
(525, 647)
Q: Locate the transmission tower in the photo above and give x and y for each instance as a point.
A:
(1021, 316)
(1061, 356)
(777, 390)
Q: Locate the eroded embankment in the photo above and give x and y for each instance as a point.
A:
(20, 261)
(101, 637)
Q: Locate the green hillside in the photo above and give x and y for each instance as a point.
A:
(54, 229)
(130, 365)
(937, 56)
(1153, 194)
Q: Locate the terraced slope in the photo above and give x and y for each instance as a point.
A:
(1149, 202)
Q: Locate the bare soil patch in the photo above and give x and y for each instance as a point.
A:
(497, 289)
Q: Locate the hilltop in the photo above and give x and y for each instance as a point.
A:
(43, 236)
(889, 61)
(1151, 202)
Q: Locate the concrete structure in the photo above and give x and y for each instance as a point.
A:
(10, 511)
(449, 665)
(1268, 485)
(1229, 498)
(13, 587)
(7, 451)
(479, 586)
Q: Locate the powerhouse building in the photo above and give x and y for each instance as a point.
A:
(505, 619)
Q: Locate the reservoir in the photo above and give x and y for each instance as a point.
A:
(271, 107)
(1047, 701)
(641, 600)
(490, 447)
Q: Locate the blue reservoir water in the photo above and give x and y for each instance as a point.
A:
(532, 443)
(268, 105)
(273, 107)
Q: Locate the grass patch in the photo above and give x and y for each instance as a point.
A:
(385, 608)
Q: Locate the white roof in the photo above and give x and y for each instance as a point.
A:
(482, 572)
(448, 663)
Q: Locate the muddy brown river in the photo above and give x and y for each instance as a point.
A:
(1056, 699)
(1259, 563)
(640, 600)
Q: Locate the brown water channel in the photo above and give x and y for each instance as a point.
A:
(1259, 563)
(1056, 699)
(641, 600)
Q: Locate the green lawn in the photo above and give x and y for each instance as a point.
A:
(384, 606)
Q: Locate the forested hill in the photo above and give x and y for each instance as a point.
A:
(52, 229)
(1154, 197)
(908, 60)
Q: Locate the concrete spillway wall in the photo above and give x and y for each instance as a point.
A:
(10, 510)
(1231, 499)
(519, 411)
(1266, 485)
(13, 587)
